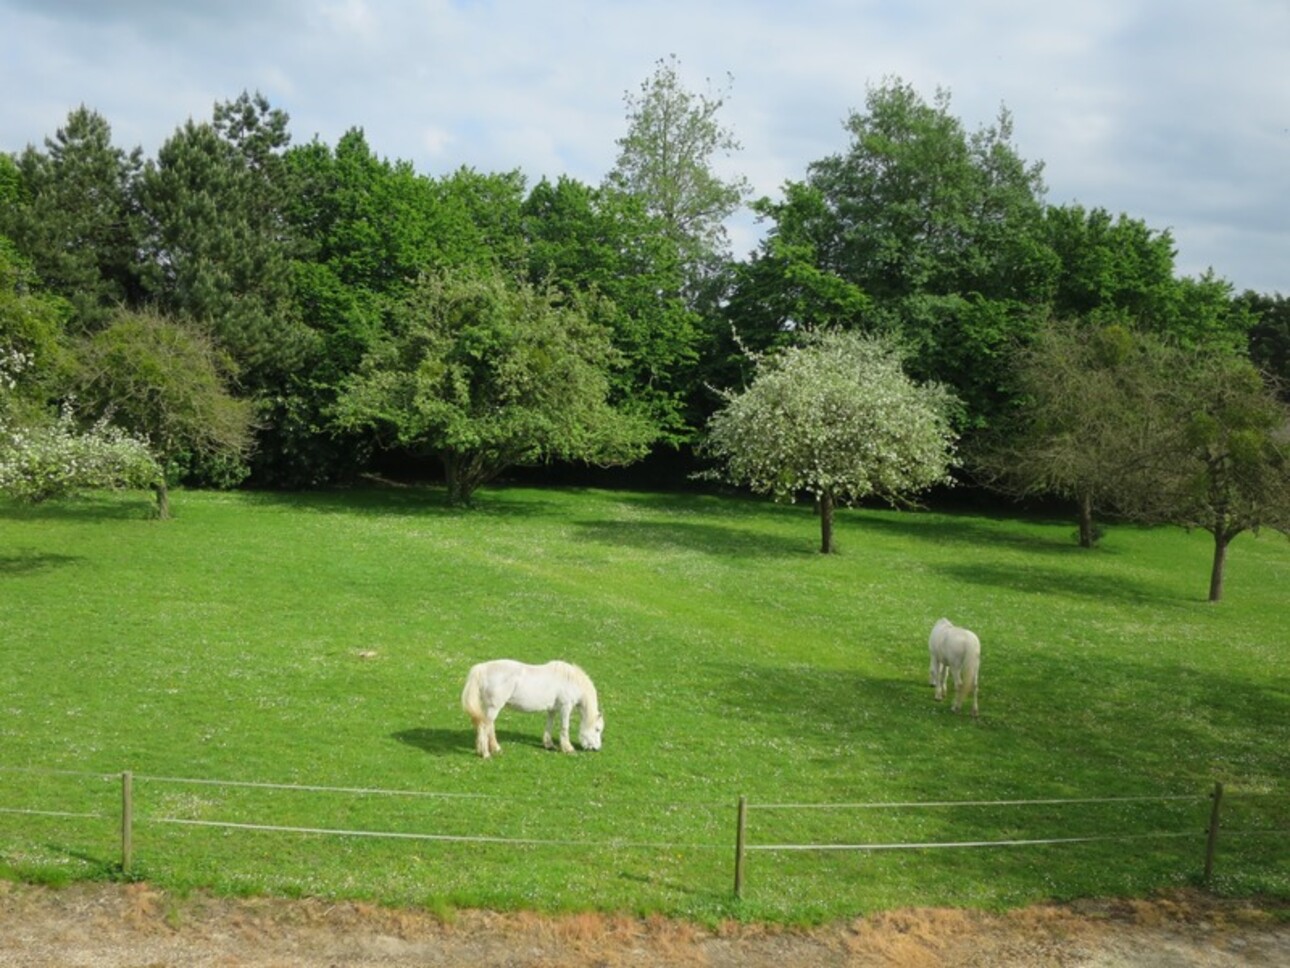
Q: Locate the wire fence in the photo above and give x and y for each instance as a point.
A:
(740, 840)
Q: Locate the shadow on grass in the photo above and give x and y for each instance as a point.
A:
(999, 530)
(1085, 722)
(395, 502)
(1061, 583)
(27, 562)
(95, 507)
(459, 742)
(713, 539)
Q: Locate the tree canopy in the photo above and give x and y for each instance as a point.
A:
(295, 266)
(487, 373)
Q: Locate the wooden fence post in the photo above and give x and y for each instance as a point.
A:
(741, 827)
(127, 821)
(1211, 842)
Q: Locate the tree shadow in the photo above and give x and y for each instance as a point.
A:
(27, 562)
(1061, 584)
(93, 507)
(941, 528)
(714, 539)
(410, 501)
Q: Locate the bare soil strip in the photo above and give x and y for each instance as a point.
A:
(134, 925)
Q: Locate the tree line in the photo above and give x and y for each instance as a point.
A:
(242, 309)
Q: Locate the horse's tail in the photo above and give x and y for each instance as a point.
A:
(471, 699)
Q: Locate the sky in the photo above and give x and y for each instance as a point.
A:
(1174, 112)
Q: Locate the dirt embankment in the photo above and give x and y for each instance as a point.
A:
(134, 925)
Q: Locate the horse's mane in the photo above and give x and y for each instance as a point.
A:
(590, 703)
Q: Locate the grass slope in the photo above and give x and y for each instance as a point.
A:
(322, 640)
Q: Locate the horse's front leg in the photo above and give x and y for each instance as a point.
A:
(550, 721)
(565, 745)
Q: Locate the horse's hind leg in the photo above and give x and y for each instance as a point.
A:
(482, 729)
(493, 745)
(550, 721)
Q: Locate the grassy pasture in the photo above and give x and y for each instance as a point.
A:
(322, 639)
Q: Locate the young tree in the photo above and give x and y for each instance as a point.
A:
(1230, 467)
(1088, 422)
(43, 458)
(837, 419)
(487, 373)
(166, 383)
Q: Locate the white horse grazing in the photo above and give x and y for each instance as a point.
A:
(550, 688)
(959, 651)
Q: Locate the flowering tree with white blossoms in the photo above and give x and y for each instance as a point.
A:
(43, 459)
(836, 418)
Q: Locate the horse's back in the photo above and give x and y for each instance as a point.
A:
(949, 640)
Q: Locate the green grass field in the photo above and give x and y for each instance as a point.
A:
(321, 640)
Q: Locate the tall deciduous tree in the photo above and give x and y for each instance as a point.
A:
(666, 158)
(837, 419)
(592, 241)
(940, 229)
(487, 373)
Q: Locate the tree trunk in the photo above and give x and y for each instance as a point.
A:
(1086, 520)
(826, 523)
(1221, 541)
(163, 500)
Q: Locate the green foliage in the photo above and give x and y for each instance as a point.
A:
(167, 383)
(487, 374)
(1088, 422)
(916, 205)
(216, 251)
(1110, 266)
(321, 639)
(32, 335)
(604, 244)
(665, 159)
(918, 229)
(72, 213)
(837, 419)
(1270, 337)
(1228, 460)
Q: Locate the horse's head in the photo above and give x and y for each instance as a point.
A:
(589, 732)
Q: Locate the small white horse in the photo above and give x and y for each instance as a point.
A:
(550, 688)
(959, 651)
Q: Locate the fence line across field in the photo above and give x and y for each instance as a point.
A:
(128, 781)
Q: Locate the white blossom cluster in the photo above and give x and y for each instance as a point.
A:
(43, 461)
(838, 416)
